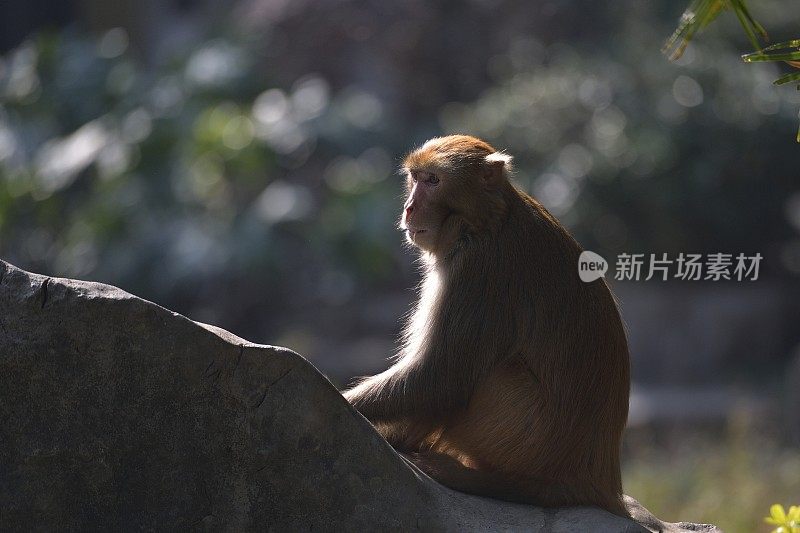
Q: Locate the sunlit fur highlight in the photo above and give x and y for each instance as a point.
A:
(451, 155)
(504, 159)
(512, 378)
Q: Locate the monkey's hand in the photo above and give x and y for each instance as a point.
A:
(369, 398)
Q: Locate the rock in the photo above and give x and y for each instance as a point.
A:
(119, 414)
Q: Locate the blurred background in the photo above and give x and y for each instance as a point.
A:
(236, 162)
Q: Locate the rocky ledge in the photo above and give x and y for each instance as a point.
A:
(119, 414)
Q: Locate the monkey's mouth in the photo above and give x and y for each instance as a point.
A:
(414, 232)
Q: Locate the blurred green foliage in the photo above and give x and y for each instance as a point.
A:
(726, 480)
(788, 52)
(160, 180)
(700, 13)
(256, 160)
(247, 179)
(636, 154)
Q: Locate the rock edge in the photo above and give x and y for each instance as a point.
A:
(118, 413)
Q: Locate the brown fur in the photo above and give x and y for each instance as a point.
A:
(513, 377)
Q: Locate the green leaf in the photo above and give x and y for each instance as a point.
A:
(750, 26)
(786, 51)
(700, 13)
(788, 78)
(758, 56)
(794, 43)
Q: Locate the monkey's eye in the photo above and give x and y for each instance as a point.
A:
(432, 179)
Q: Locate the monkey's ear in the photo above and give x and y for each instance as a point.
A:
(498, 167)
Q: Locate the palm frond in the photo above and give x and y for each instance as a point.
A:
(786, 51)
(788, 78)
(752, 28)
(697, 16)
(700, 14)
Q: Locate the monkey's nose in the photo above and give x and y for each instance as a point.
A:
(409, 210)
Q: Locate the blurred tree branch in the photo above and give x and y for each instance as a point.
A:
(700, 13)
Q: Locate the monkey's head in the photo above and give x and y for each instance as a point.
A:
(454, 185)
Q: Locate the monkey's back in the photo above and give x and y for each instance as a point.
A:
(554, 407)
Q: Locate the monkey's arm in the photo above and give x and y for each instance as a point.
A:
(430, 385)
(461, 342)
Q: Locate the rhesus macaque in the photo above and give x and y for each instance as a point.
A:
(513, 377)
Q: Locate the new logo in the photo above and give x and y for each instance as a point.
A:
(591, 266)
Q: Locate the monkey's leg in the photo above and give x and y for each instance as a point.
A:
(504, 432)
(447, 470)
(453, 474)
(373, 397)
(411, 435)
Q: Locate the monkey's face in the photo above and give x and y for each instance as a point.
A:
(424, 211)
(454, 186)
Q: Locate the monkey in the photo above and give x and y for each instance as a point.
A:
(512, 379)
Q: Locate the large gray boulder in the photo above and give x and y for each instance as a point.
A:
(116, 413)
